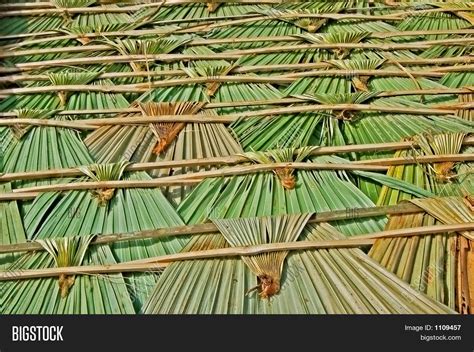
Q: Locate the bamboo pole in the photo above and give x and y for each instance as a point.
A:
(26, 5)
(282, 79)
(43, 4)
(88, 124)
(236, 54)
(206, 228)
(144, 87)
(386, 47)
(48, 123)
(125, 9)
(196, 177)
(236, 159)
(158, 263)
(289, 17)
(307, 66)
(46, 5)
(206, 42)
(268, 68)
(378, 73)
(427, 11)
(132, 110)
(299, 99)
(285, 79)
(83, 10)
(435, 72)
(123, 58)
(423, 159)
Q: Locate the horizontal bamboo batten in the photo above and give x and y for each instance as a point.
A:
(196, 177)
(131, 110)
(281, 79)
(231, 160)
(197, 42)
(232, 92)
(254, 17)
(88, 124)
(397, 16)
(237, 54)
(257, 68)
(158, 263)
(137, 3)
(388, 47)
(284, 79)
(206, 228)
(435, 72)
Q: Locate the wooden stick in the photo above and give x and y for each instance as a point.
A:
(435, 72)
(144, 87)
(48, 123)
(282, 101)
(265, 68)
(422, 159)
(123, 58)
(196, 177)
(427, 11)
(388, 47)
(88, 124)
(92, 9)
(236, 54)
(26, 5)
(206, 42)
(282, 79)
(124, 9)
(206, 228)
(380, 73)
(157, 263)
(231, 160)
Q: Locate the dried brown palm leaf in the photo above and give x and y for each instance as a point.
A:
(212, 5)
(166, 132)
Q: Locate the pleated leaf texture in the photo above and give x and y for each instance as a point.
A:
(265, 157)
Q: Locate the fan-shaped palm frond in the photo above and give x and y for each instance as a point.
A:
(169, 107)
(283, 155)
(72, 3)
(359, 81)
(441, 144)
(70, 78)
(150, 46)
(254, 231)
(313, 282)
(67, 251)
(104, 172)
(27, 113)
(166, 132)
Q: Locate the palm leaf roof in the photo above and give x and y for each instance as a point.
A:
(236, 157)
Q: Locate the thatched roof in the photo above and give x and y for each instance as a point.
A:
(236, 157)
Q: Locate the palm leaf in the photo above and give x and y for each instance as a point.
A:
(72, 4)
(67, 251)
(322, 281)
